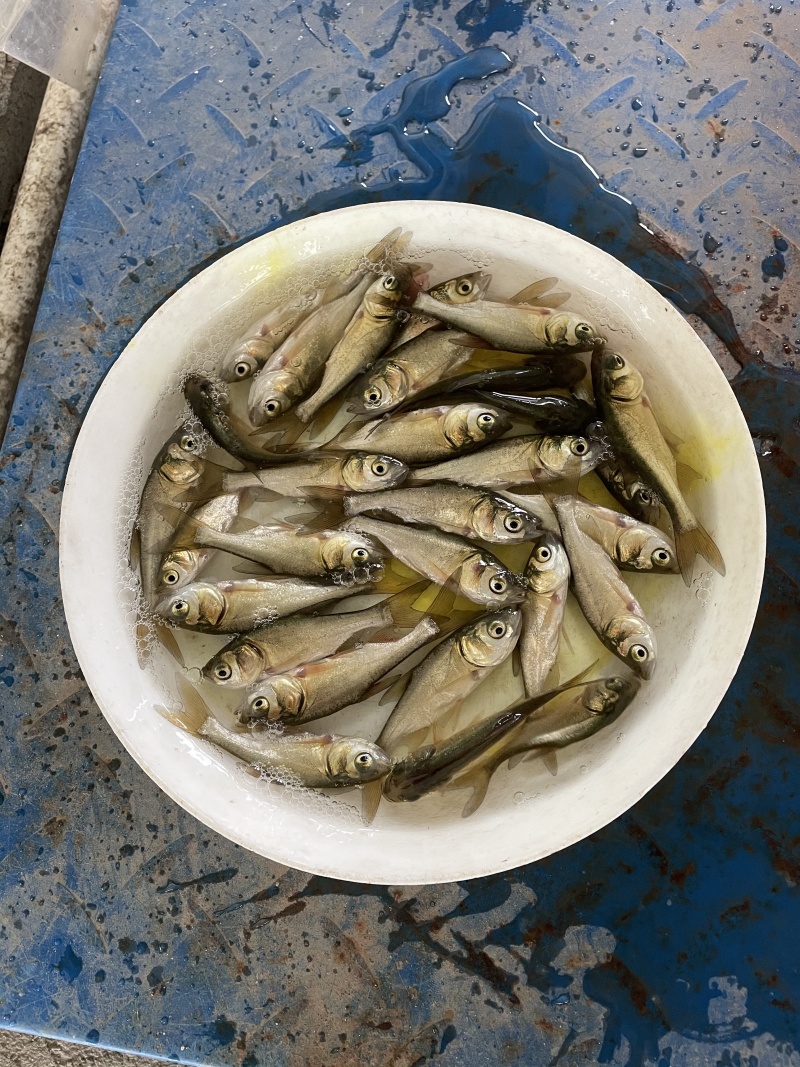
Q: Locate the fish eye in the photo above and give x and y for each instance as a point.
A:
(188, 443)
(170, 577)
(372, 396)
(179, 607)
(617, 361)
(380, 467)
(359, 555)
(639, 653)
(513, 524)
(222, 672)
(485, 418)
(661, 557)
(272, 407)
(242, 369)
(645, 496)
(363, 759)
(544, 554)
(498, 630)
(498, 585)
(260, 704)
(390, 282)
(465, 288)
(580, 446)
(584, 331)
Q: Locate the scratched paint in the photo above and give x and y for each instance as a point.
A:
(666, 937)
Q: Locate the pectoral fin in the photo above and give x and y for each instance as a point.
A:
(478, 779)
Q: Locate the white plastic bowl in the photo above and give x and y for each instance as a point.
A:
(528, 814)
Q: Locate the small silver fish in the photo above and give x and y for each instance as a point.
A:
(610, 607)
(428, 434)
(442, 557)
(234, 607)
(285, 549)
(298, 639)
(478, 514)
(178, 470)
(315, 761)
(184, 560)
(328, 685)
(545, 725)
(547, 577)
(366, 337)
(446, 676)
(402, 373)
(632, 544)
(514, 327)
(514, 461)
(462, 289)
(634, 431)
(358, 472)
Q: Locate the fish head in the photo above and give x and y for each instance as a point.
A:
(620, 379)
(352, 761)
(568, 454)
(181, 461)
(382, 390)
(386, 294)
(463, 289)
(365, 472)
(547, 568)
(488, 581)
(633, 640)
(235, 667)
(201, 603)
(271, 395)
(278, 699)
(244, 361)
(564, 330)
(642, 501)
(609, 696)
(490, 640)
(345, 552)
(204, 392)
(647, 549)
(178, 567)
(473, 424)
(502, 522)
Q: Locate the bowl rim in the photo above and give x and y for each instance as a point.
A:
(81, 636)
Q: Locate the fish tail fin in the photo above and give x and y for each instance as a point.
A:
(533, 291)
(326, 413)
(357, 503)
(326, 518)
(401, 606)
(693, 542)
(371, 795)
(194, 712)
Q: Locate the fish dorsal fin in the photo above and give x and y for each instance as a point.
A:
(135, 549)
